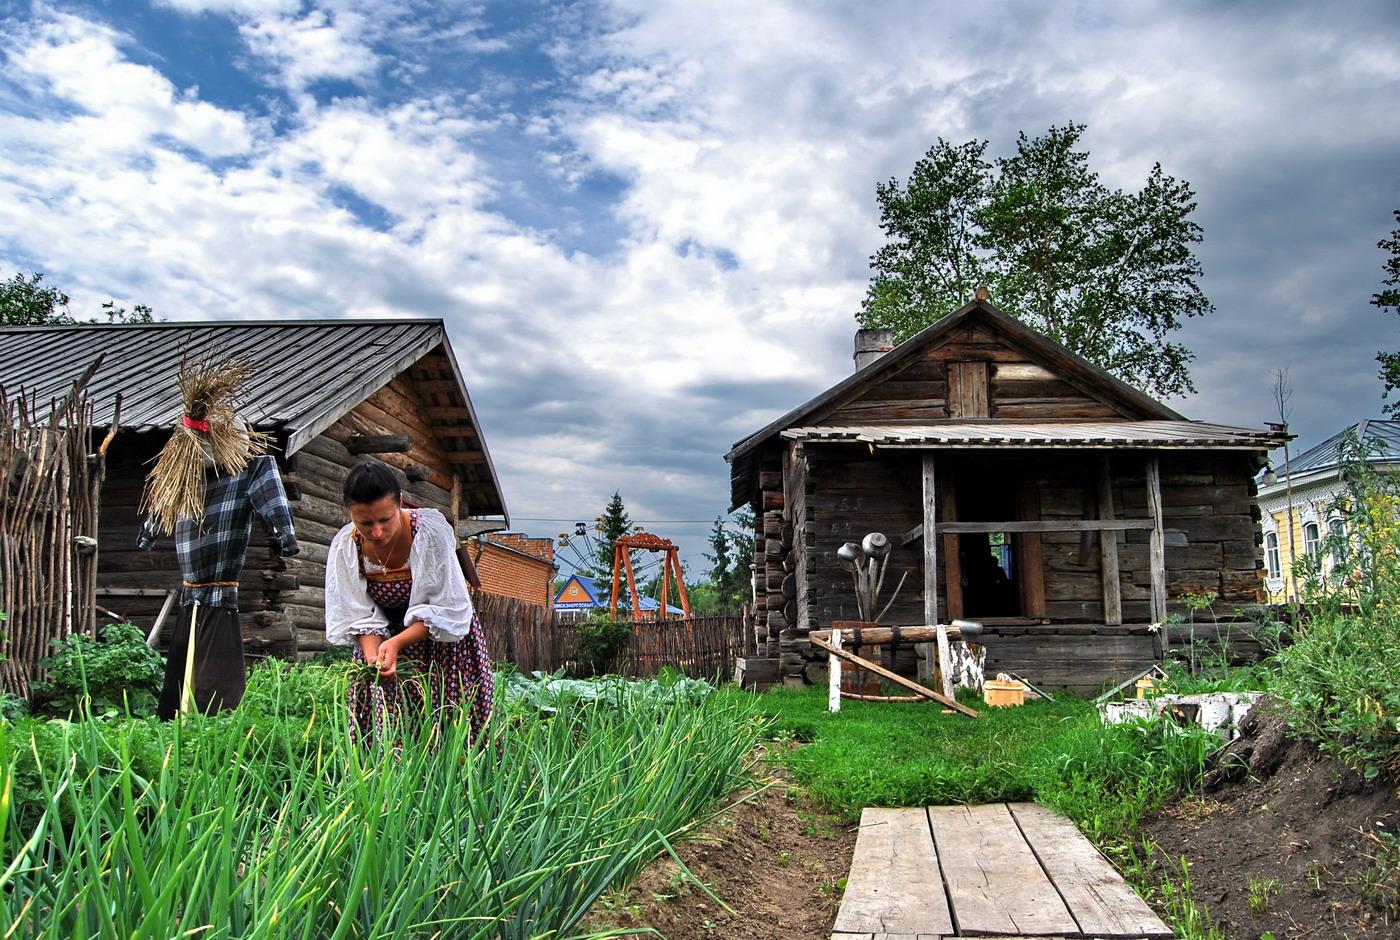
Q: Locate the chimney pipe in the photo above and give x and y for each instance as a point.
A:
(871, 345)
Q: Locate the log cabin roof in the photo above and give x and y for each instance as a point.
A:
(310, 374)
(1090, 434)
(1129, 402)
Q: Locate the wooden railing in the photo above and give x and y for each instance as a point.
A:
(529, 636)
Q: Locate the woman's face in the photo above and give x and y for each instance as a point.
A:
(377, 522)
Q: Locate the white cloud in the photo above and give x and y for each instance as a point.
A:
(747, 132)
(123, 104)
(319, 45)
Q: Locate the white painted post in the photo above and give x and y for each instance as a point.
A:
(833, 678)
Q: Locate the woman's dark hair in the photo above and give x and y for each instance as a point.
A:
(371, 482)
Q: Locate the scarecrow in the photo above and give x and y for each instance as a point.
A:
(209, 480)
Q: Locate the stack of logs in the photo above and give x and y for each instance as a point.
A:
(776, 632)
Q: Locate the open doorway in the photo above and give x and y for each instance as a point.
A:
(992, 575)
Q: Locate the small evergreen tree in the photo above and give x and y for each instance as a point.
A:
(612, 525)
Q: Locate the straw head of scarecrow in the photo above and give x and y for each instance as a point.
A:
(209, 437)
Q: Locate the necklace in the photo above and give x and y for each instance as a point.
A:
(390, 550)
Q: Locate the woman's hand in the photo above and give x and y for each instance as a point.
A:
(388, 660)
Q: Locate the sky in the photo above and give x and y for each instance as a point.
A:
(648, 225)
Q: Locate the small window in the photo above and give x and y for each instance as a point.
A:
(1312, 539)
(1337, 534)
(1271, 558)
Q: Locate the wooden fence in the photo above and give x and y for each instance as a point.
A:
(527, 635)
(48, 526)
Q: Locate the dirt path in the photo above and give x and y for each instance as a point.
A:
(778, 860)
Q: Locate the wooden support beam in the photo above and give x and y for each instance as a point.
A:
(930, 507)
(1108, 549)
(952, 559)
(879, 636)
(833, 675)
(894, 677)
(378, 444)
(1157, 543)
(1033, 525)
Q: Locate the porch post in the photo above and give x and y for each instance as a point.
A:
(930, 564)
(1108, 549)
(1158, 544)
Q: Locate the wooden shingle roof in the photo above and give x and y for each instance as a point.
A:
(310, 373)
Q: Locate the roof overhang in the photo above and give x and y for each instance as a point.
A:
(1118, 435)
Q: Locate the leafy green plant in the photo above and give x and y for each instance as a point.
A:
(1341, 675)
(600, 639)
(115, 674)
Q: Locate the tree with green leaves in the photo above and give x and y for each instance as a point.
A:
(1389, 299)
(1111, 274)
(27, 301)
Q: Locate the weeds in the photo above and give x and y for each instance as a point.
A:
(1380, 882)
(1261, 892)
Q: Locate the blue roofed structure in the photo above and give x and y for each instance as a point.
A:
(582, 593)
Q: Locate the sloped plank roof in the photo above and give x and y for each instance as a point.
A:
(744, 454)
(1149, 434)
(310, 372)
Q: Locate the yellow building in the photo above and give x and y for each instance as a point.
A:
(1309, 484)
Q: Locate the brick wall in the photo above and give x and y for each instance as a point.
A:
(514, 565)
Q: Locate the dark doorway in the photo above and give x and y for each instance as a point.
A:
(988, 572)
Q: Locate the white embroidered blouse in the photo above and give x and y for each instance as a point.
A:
(439, 596)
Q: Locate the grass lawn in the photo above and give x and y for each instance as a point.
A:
(1056, 753)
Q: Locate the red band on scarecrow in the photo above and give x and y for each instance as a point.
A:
(195, 423)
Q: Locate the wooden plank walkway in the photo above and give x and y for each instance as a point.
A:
(1014, 870)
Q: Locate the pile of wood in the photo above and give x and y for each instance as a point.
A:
(48, 526)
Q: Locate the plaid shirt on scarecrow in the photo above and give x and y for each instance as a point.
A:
(211, 550)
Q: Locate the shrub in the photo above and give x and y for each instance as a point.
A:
(114, 674)
(600, 639)
(1341, 675)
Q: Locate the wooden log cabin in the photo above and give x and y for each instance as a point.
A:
(1021, 486)
(332, 392)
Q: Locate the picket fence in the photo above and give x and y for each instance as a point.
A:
(529, 636)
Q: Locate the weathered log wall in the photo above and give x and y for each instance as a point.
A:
(834, 493)
(315, 479)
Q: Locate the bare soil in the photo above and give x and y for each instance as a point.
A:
(777, 859)
(1283, 842)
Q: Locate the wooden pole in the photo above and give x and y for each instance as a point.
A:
(1158, 541)
(930, 561)
(616, 574)
(680, 584)
(632, 585)
(833, 674)
(896, 678)
(1108, 549)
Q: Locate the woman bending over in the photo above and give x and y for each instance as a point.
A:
(395, 591)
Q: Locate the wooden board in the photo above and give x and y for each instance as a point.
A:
(894, 677)
(1101, 902)
(894, 884)
(995, 882)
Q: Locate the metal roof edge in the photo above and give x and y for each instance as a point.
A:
(217, 324)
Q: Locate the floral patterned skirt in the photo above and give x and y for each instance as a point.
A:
(453, 676)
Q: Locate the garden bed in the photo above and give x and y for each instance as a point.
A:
(777, 859)
(1283, 842)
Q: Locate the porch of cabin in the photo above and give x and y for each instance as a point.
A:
(1070, 555)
